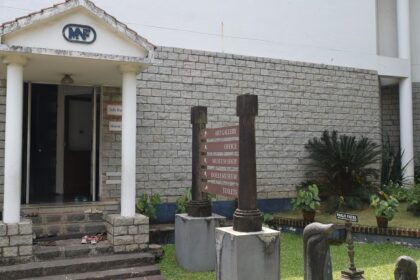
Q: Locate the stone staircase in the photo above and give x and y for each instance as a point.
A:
(115, 266)
(58, 252)
(72, 224)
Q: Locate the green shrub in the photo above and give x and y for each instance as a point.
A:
(384, 205)
(414, 201)
(343, 162)
(392, 171)
(307, 199)
(182, 202)
(147, 205)
(401, 193)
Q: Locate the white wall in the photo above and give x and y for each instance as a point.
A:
(387, 28)
(323, 31)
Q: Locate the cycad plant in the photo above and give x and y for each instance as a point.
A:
(343, 161)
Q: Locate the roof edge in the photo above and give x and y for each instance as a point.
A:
(122, 28)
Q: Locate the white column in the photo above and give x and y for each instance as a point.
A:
(405, 88)
(128, 141)
(13, 139)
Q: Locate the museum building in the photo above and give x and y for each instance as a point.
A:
(92, 114)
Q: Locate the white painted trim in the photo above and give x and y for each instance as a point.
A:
(28, 143)
(21, 50)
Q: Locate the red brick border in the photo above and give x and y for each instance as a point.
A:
(390, 231)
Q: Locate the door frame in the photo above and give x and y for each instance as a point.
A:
(95, 161)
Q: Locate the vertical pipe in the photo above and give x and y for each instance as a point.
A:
(405, 91)
(128, 144)
(13, 140)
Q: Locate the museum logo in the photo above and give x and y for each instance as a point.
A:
(77, 33)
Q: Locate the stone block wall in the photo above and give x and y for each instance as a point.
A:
(391, 119)
(297, 101)
(127, 234)
(15, 242)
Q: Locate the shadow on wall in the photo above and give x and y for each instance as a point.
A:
(165, 212)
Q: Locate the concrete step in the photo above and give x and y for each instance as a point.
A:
(75, 265)
(66, 217)
(143, 272)
(69, 248)
(69, 230)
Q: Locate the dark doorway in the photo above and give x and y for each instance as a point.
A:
(78, 147)
(43, 137)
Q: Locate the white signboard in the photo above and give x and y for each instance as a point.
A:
(114, 110)
(115, 126)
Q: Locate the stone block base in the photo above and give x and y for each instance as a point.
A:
(127, 234)
(195, 243)
(15, 242)
(247, 255)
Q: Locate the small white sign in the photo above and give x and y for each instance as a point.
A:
(114, 110)
(115, 126)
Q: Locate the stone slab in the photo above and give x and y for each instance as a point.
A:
(247, 256)
(195, 241)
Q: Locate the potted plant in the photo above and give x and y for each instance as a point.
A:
(385, 207)
(307, 200)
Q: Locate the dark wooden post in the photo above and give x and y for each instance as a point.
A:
(200, 205)
(247, 218)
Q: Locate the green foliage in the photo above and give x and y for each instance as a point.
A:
(384, 205)
(401, 193)
(182, 202)
(343, 161)
(392, 171)
(414, 201)
(147, 205)
(268, 219)
(307, 199)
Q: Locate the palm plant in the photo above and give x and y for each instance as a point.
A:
(343, 161)
(391, 163)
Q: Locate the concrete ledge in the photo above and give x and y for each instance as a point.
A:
(16, 242)
(247, 255)
(127, 234)
(195, 242)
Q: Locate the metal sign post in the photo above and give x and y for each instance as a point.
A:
(352, 273)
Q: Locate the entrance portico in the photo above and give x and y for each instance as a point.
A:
(78, 39)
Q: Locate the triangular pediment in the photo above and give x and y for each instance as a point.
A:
(75, 26)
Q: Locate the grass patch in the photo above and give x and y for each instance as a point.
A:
(402, 218)
(376, 259)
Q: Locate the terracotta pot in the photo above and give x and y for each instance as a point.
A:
(308, 216)
(382, 222)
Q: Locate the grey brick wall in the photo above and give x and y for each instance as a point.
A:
(297, 101)
(110, 148)
(390, 116)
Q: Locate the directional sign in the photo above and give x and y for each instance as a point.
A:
(346, 217)
(229, 176)
(220, 161)
(221, 132)
(230, 191)
(226, 146)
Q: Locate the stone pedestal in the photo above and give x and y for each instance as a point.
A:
(195, 241)
(127, 234)
(15, 242)
(352, 274)
(247, 255)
